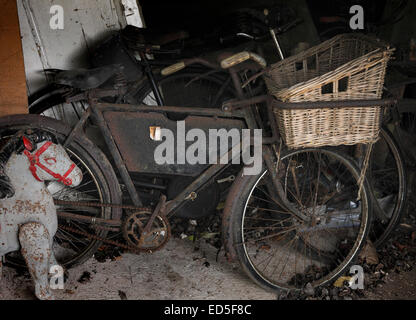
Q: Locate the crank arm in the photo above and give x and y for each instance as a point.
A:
(159, 210)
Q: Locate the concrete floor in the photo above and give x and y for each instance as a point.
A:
(177, 272)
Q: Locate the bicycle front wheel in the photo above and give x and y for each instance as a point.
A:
(281, 249)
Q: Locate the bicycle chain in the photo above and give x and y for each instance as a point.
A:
(95, 204)
(95, 237)
(105, 240)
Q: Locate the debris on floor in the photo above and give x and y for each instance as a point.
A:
(85, 277)
(196, 268)
(369, 254)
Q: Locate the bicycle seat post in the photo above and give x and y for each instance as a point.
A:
(151, 78)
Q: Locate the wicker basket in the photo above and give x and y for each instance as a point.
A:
(346, 67)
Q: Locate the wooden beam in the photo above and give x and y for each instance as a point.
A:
(13, 95)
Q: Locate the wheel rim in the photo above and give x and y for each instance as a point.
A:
(70, 113)
(387, 178)
(281, 250)
(63, 237)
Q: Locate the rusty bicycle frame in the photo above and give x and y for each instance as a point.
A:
(239, 109)
(96, 111)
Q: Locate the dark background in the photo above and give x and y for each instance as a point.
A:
(390, 20)
(188, 13)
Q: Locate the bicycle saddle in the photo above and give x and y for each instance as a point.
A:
(155, 37)
(86, 78)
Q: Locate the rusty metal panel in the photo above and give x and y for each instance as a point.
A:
(131, 132)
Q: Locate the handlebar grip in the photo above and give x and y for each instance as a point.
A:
(173, 68)
(241, 57)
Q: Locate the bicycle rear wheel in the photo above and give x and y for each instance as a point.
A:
(278, 249)
(387, 176)
(50, 102)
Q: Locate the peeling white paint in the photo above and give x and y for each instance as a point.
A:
(87, 22)
(132, 13)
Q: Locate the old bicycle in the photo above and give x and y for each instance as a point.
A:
(298, 221)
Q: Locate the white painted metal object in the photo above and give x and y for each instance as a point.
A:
(28, 220)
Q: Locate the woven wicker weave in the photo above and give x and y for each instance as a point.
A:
(346, 67)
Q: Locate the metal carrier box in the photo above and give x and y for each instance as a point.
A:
(131, 132)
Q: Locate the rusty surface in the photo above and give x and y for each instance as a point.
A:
(92, 220)
(235, 105)
(150, 239)
(105, 107)
(36, 249)
(277, 105)
(29, 220)
(95, 204)
(107, 224)
(132, 248)
(104, 240)
(190, 193)
(159, 210)
(130, 131)
(52, 125)
(232, 197)
(117, 157)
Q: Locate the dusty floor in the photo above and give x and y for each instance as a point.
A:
(397, 287)
(176, 272)
(181, 272)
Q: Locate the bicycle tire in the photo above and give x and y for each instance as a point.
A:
(234, 219)
(380, 236)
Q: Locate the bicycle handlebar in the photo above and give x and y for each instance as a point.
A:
(241, 57)
(225, 64)
(186, 63)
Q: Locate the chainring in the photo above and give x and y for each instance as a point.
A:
(152, 241)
